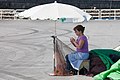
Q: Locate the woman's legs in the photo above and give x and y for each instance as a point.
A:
(68, 65)
(75, 59)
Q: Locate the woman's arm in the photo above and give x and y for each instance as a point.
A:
(80, 45)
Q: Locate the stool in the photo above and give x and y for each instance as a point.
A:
(85, 64)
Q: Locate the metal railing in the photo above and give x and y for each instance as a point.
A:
(9, 14)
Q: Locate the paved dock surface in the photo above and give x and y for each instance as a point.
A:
(26, 47)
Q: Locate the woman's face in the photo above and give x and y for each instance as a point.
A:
(77, 32)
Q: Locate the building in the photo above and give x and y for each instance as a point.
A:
(83, 4)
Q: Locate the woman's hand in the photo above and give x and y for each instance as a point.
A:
(72, 40)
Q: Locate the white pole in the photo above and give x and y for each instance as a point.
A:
(54, 42)
(55, 27)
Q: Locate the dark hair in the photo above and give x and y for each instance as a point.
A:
(79, 28)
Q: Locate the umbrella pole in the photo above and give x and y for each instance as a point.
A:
(55, 27)
(54, 42)
(54, 46)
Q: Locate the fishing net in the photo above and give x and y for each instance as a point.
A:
(60, 51)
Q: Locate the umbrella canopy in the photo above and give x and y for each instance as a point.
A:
(54, 11)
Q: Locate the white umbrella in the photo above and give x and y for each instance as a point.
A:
(54, 11)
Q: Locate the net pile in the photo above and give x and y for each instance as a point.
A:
(60, 51)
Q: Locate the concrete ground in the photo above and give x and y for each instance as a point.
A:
(26, 48)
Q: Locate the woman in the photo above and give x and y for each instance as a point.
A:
(75, 59)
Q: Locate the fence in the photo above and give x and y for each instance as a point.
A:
(9, 14)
